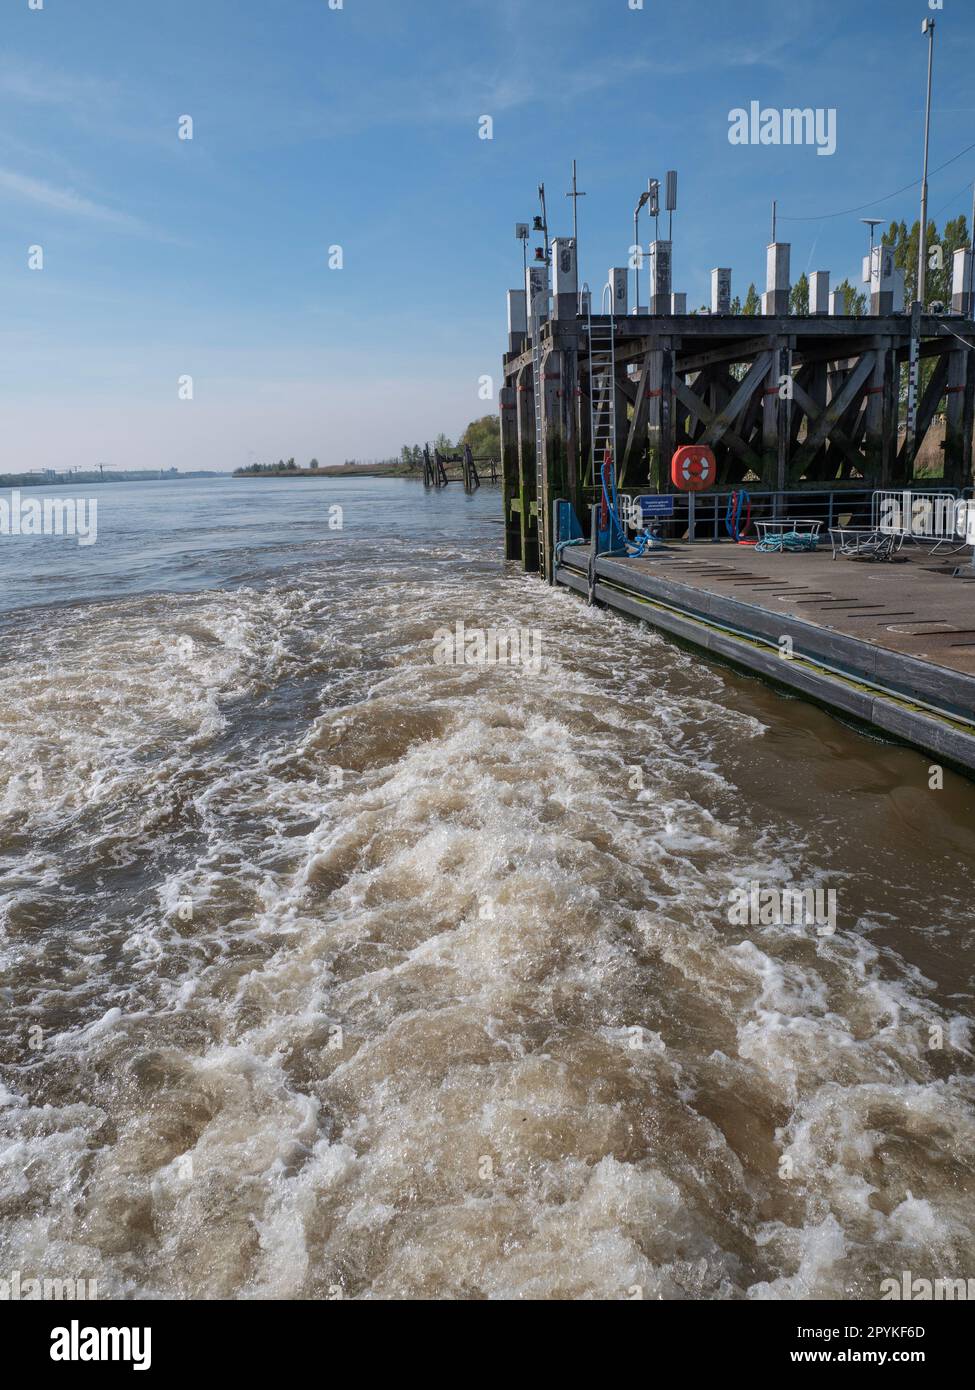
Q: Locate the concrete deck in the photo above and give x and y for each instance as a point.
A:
(891, 643)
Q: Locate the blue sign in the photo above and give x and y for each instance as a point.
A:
(656, 506)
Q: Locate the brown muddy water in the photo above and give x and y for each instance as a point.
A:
(331, 970)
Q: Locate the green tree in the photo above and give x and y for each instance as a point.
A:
(753, 302)
(443, 444)
(484, 437)
(940, 254)
(799, 297)
(736, 304)
(854, 301)
(940, 250)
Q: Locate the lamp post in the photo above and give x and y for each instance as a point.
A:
(873, 223)
(927, 27)
(575, 195)
(637, 249)
(917, 308)
(521, 232)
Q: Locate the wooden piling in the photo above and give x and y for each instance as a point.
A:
(525, 414)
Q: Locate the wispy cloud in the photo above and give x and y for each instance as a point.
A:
(45, 86)
(66, 200)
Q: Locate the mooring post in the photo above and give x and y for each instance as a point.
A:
(968, 429)
(507, 407)
(874, 412)
(770, 425)
(958, 368)
(525, 415)
(783, 355)
(552, 472)
(568, 403)
(660, 412)
(909, 451)
(891, 400)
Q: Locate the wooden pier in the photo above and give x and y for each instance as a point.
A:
(439, 469)
(787, 403)
(793, 408)
(890, 645)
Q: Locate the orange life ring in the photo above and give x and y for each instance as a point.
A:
(693, 468)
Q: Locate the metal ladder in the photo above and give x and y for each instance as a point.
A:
(602, 383)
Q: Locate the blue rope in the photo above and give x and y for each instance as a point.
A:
(643, 541)
(732, 521)
(562, 545)
(788, 541)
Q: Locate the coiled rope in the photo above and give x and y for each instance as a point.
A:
(788, 541)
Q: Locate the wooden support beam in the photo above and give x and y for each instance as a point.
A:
(968, 425)
(934, 390)
(772, 420)
(510, 483)
(554, 463)
(636, 439)
(739, 351)
(525, 411)
(873, 415)
(958, 369)
(813, 412)
(701, 411)
(833, 413)
(660, 414)
(784, 354)
(891, 400)
(726, 417)
(569, 408)
(625, 392)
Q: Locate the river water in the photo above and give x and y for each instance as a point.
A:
(329, 970)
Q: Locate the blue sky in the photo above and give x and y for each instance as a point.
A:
(359, 127)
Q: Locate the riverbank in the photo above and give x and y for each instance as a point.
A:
(393, 470)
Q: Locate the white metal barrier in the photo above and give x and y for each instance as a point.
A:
(921, 516)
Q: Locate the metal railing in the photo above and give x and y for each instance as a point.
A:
(832, 507)
(829, 506)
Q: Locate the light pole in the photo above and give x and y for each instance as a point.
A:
(873, 223)
(637, 249)
(575, 195)
(541, 225)
(927, 27)
(521, 232)
(917, 308)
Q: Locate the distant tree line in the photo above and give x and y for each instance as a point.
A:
(483, 436)
(282, 466)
